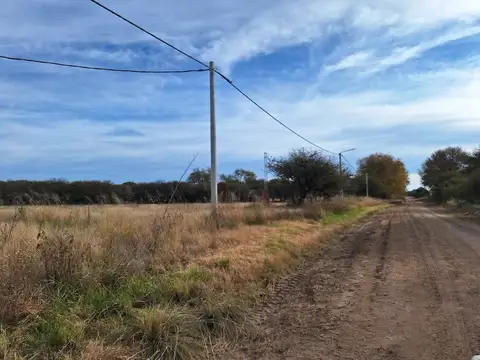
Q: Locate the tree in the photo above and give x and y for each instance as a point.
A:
(388, 177)
(244, 176)
(309, 173)
(199, 176)
(470, 190)
(239, 176)
(444, 172)
(228, 178)
(473, 162)
(418, 193)
(238, 185)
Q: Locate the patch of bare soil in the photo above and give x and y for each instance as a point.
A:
(405, 285)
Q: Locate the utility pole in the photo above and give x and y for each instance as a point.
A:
(366, 183)
(213, 141)
(340, 173)
(265, 178)
(340, 170)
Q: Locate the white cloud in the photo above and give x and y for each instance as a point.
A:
(243, 131)
(307, 20)
(62, 115)
(368, 62)
(226, 32)
(351, 61)
(415, 181)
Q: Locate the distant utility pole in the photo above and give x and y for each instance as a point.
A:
(340, 170)
(265, 178)
(213, 141)
(366, 183)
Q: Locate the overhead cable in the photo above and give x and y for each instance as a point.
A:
(86, 67)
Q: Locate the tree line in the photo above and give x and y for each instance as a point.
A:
(451, 173)
(300, 175)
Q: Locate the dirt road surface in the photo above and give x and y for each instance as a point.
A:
(405, 285)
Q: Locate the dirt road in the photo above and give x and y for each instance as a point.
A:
(406, 285)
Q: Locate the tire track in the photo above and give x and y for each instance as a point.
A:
(444, 286)
(404, 286)
(466, 272)
(304, 300)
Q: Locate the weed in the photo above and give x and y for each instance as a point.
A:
(100, 302)
(187, 286)
(4, 343)
(169, 332)
(226, 318)
(98, 350)
(58, 325)
(313, 211)
(223, 263)
(256, 214)
(62, 257)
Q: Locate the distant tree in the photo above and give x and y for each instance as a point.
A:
(444, 172)
(199, 176)
(244, 176)
(388, 177)
(418, 193)
(309, 172)
(240, 176)
(228, 178)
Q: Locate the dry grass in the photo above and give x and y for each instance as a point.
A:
(126, 282)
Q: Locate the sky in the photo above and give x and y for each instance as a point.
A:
(397, 77)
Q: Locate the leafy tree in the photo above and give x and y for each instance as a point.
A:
(199, 176)
(244, 176)
(473, 162)
(228, 178)
(418, 193)
(444, 172)
(470, 189)
(240, 176)
(388, 177)
(309, 173)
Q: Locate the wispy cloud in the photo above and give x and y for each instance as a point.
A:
(368, 74)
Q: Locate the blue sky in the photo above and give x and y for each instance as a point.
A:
(401, 77)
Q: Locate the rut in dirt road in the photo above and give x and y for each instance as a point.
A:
(405, 286)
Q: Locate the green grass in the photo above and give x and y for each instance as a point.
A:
(223, 263)
(165, 313)
(169, 332)
(353, 214)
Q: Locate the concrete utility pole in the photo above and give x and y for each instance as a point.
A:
(213, 141)
(340, 170)
(265, 178)
(366, 183)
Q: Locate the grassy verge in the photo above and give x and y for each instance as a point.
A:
(117, 283)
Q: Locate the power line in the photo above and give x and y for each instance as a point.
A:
(277, 120)
(216, 71)
(348, 163)
(85, 67)
(148, 33)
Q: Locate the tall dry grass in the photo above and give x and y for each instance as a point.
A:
(123, 278)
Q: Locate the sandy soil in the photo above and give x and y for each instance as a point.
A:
(405, 285)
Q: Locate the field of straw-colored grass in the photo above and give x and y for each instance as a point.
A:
(146, 282)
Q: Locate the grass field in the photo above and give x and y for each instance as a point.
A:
(146, 282)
